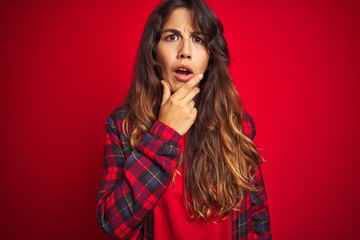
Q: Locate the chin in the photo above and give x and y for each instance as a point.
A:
(177, 86)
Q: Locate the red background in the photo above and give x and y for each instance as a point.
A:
(65, 65)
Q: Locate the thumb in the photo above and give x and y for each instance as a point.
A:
(166, 93)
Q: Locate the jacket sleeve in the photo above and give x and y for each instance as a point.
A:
(259, 209)
(131, 187)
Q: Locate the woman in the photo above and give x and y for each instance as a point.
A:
(180, 162)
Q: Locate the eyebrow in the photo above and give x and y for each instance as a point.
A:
(194, 33)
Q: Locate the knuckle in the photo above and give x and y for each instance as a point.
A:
(188, 86)
(172, 101)
(196, 91)
(182, 104)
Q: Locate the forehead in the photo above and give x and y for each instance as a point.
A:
(181, 19)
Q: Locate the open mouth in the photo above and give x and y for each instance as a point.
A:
(183, 74)
(183, 71)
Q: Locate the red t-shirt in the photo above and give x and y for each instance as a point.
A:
(171, 219)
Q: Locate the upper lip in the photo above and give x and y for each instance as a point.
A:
(184, 66)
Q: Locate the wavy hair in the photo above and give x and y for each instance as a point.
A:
(220, 160)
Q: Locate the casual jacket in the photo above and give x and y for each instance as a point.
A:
(135, 179)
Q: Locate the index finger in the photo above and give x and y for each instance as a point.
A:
(185, 89)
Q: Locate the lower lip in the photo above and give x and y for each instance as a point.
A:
(182, 77)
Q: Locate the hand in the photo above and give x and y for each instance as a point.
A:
(177, 111)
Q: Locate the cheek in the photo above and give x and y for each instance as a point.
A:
(163, 56)
(204, 61)
(203, 56)
(163, 61)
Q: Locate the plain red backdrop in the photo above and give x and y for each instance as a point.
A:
(65, 65)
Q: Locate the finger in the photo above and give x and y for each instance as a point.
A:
(194, 112)
(190, 96)
(166, 93)
(184, 89)
(191, 104)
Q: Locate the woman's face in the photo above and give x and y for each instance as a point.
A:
(181, 51)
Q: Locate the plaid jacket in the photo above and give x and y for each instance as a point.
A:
(135, 179)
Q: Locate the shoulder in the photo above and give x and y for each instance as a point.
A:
(119, 113)
(248, 124)
(115, 119)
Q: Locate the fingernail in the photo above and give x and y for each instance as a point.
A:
(201, 76)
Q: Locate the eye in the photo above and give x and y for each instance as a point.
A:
(198, 40)
(172, 37)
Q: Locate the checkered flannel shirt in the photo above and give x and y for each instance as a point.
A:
(135, 179)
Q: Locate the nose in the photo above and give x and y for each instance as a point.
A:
(184, 51)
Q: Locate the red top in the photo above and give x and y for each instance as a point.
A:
(171, 219)
(134, 181)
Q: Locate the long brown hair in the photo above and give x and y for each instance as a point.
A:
(220, 159)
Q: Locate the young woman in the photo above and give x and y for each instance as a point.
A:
(180, 159)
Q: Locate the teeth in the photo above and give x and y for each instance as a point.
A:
(183, 69)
